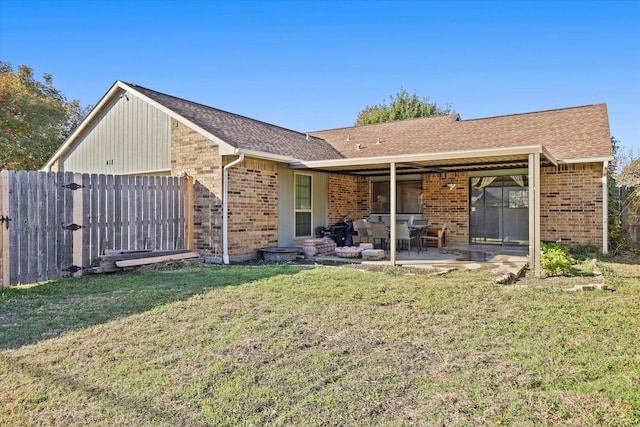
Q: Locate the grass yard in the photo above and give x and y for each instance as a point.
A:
(318, 346)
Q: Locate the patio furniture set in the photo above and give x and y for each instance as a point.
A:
(419, 233)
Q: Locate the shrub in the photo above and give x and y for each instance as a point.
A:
(555, 259)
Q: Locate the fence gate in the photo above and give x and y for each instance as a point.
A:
(55, 224)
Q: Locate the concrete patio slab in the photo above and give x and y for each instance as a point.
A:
(495, 259)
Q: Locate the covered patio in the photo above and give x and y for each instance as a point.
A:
(460, 164)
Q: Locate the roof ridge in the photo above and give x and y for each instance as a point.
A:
(533, 112)
(439, 116)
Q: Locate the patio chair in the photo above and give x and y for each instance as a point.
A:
(403, 235)
(379, 233)
(419, 228)
(435, 235)
(362, 227)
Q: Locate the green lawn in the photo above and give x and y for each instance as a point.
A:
(316, 346)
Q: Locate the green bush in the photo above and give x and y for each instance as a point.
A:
(555, 259)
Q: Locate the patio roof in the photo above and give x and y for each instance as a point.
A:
(438, 162)
(449, 144)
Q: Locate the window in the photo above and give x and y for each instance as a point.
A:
(408, 197)
(303, 205)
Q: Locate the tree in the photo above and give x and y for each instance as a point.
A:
(35, 118)
(403, 106)
(623, 171)
(628, 168)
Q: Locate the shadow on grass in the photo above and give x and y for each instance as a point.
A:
(625, 259)
(29, 314)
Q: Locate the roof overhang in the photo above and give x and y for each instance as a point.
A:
(450, 161)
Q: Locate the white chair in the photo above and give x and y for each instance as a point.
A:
(379, 233)
(403, 235)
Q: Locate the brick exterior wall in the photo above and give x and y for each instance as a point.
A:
(253, 208)
(442, 205)
(253, 196)
(348, 197)
(198, 156)
(571, 204)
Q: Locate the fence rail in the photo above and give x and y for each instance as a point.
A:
(55, 224)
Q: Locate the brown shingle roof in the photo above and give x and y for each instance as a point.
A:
(243, 132)
(569, 133)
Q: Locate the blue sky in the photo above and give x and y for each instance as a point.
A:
(314, 65)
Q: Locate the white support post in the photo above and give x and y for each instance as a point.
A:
(534, 213)
(392, 217)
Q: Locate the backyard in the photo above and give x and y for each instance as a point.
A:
(282, 344)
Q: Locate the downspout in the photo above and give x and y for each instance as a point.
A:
(225, 208)
(605, 207)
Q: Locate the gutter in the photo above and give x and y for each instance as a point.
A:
(225, 208)
(596, 159)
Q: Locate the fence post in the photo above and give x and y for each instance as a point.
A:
(78, 218)
(5, 253)
(188, 212)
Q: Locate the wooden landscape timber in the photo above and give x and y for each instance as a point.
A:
(117, 261)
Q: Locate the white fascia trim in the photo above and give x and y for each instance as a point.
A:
(408, 158)
(549, 156)
(597, 159)
(265, 156)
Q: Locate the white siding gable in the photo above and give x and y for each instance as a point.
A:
(129, 137)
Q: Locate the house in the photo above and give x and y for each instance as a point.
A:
(519, 179)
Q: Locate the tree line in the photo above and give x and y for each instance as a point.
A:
(35, 118)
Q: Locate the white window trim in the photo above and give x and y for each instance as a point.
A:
(296, 210)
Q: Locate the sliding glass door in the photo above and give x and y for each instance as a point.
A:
(499, 210)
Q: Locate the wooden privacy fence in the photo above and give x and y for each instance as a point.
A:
(55, 224)
(629, 213)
